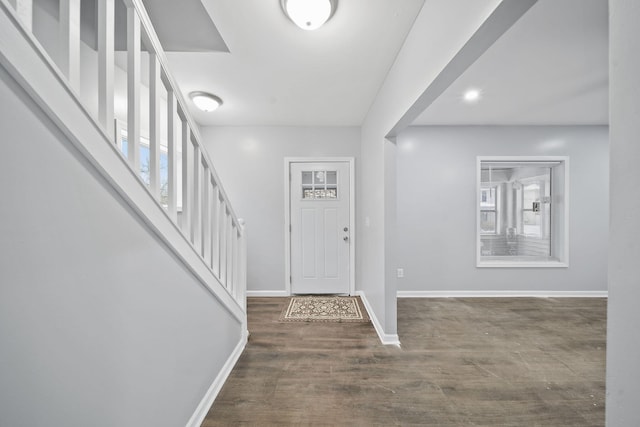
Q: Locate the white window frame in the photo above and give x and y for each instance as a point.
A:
(494, 210)
(559, 244)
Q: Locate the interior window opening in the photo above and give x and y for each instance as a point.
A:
(517, 221)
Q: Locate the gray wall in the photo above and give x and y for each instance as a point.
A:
(99, 323)
(437, 216)
(623, 346)
(250, 164)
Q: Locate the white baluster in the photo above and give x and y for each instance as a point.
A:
(241, 289)
(24, 10)
(205, 239)
(229, 281)
(195, 206)
(215, 229)
(155, 90)
(106, 25)
(69, 29)
(223, 242)
(234, 260)
(238, 292)
(133, 89)
(172, 175)
(117, 131)
(186, 198)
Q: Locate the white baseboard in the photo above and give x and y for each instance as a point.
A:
(267, 293)
(386, 339)
(206, 402)
(502, 294)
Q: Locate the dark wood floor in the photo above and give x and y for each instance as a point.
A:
(463, 362)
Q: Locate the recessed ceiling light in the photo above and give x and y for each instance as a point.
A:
(205, 101)
(472, 95)
(309, 14)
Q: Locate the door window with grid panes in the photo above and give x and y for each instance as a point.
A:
(319, 184)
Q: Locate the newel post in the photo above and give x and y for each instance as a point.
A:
(241, 288)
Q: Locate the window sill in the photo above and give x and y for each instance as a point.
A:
(505, 262)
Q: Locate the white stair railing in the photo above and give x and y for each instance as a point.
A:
(187, 187)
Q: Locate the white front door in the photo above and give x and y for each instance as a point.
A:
(320, 235)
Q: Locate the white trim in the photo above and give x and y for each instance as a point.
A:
(522, 264)
(205, 404)
(505, 263)
(352, 215)
(503, 294)
(386, 339)
(268, 293)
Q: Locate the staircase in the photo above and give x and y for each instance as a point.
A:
(122, 119)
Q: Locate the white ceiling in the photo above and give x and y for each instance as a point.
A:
(278, 74)
(550, 68)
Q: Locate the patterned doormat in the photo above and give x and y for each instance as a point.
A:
(324, 309)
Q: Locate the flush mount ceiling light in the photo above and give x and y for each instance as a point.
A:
(309, 14)
(205, 101)
(471, 96)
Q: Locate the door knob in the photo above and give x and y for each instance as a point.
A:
(345, 238)
(346, 229)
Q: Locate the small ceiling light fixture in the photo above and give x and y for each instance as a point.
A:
(205, 101)
(309, 14)
(472, 95)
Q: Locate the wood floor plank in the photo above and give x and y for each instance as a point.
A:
(463, 361)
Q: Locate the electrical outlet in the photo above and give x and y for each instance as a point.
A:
(400, 273)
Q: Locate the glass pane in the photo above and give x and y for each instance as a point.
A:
(307, 177)
(531, 194)
(531, 223)
(309, 193)
(329, 193)
(488, 222)
(145, 165)
(515, 211)
(318, 177)
(332, 177)
(488, 197)
(124, 147)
